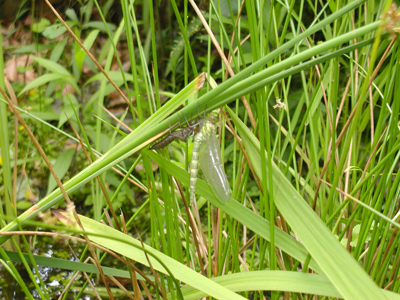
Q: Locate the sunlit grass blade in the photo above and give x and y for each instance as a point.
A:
(54, 262)
(132, 248)
(296, 282)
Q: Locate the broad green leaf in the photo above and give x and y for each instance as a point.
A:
(54, 31)
(40, 26)
(99, 26)
(67, 109)
(61, 167)
(46, 78)
(80, 53)
(52, 66)
(116, 76)
(49, 115)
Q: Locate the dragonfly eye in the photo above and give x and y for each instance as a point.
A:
(214, 117)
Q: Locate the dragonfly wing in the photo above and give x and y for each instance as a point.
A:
(213, 168)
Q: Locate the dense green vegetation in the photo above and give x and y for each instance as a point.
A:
(309, 134)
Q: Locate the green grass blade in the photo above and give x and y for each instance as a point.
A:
(276, 281)
(54, 262)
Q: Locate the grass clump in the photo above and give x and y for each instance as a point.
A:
(309, 137)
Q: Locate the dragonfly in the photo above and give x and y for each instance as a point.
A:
(205, 153)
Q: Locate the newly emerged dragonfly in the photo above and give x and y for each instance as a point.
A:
(206, 153)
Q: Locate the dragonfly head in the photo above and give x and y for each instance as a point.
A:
(214, 116)
(208, 124)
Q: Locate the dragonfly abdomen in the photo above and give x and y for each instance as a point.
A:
(204, 131)
(194, 167)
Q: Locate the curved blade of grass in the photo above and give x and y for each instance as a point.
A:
(41, 81)
(132, 248)
(65, 264)
(337, 264)
(57, 71)
(116, 76)
(52, 66)
(295, 282)
(61, 166)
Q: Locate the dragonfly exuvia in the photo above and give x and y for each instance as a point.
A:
(181, 134)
